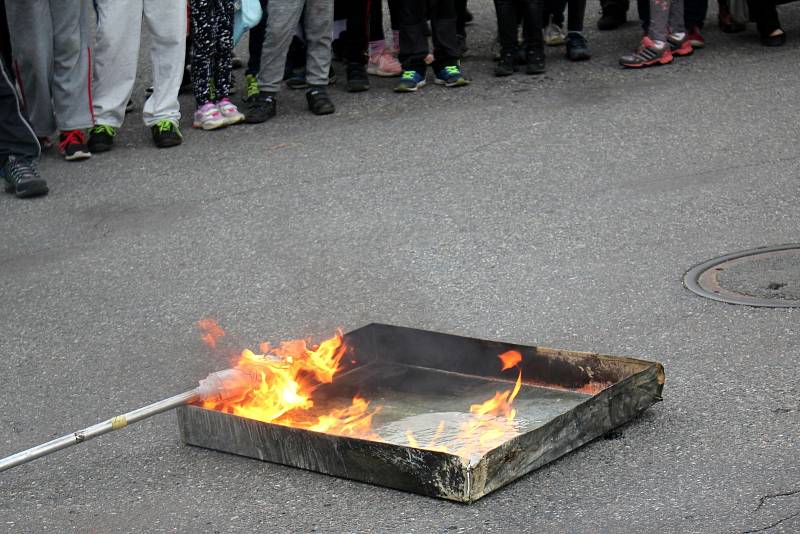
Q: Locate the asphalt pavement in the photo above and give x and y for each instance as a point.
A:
(560, 210)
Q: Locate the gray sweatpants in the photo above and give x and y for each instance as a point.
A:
(116, 55)
(283, 18)
(666, 17)
(50, 47)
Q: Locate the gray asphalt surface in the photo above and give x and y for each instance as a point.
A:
(559, 211)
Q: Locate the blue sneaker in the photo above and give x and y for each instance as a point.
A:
(410, 81)
(451, 76)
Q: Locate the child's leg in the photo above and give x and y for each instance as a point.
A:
(461, 17)
(283, 17)
(695, 12)
(577, 12)
(506, 24)
(203, 47)
(532, 25)
(677, 23)
(376, 21)
(223, 22)
(318, 22)
(413, 41)
(256, 42)
(443, 30)
(166, 22)
(358, 25)
(659, 20)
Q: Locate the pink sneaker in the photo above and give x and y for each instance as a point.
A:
(229, 112)
(208, 117)
(384, 64)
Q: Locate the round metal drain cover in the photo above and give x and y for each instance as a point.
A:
(766, 276)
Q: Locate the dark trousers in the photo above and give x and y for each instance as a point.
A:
(16, 134)
(532, 12)
(621, 5)
(256, 42)
(765, 14)
(414, 42)
(5, 40)
(576, 10)
(356, 38)
(694, 13)
(461, 17)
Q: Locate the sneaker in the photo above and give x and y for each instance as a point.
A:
(612, 17)
(451, 76)
(166, 133)
(22, 177)
(319, 103)
(410, 81)
(535, 62)
(384, 64)
(101, 138)
(680, 46)
(505, 65)
(554, 35)
(230, 113)
(208, 117)
(577, 47)
(357, 80)
(647, 54)
(250, 85)
(696, 39)
(72, 144)
(259, 107)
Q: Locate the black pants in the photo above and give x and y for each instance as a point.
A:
(16, 134)
(621, 5)
(212, 48)
(765, 14)
(461, 17)
(576, 10)
(694, 13)
(256, 42)
(414, 43)
(532, 13)
(356, 38)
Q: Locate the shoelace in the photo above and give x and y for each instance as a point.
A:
(102, 128)
(20, 168)
(164, 126)
(252, 86)
(409, 74)
(452, 70)
(72, 137)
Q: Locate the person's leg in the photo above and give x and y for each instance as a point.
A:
(643, 7)
(461, 17)
(576, 15)
(358, 28)
(677, 24)
(5, 41)
(534, 43)
(655, 49)
(203, 47)
(659, 20)
(256, 42)
(19, 148)
(413, 41)
(318, 21)
(695, 12)
(446, 49)
(166, 22)
(614, 14)
(31, 33)
(116, 56)
(223, 54)
(72, 100)
(283, 17)
(376, 21)
(765, 15)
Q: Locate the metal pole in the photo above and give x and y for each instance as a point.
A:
(115, 423)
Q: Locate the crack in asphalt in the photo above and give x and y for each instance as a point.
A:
(764, 499)
(773, 525)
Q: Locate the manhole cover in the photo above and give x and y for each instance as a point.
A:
(766, 276)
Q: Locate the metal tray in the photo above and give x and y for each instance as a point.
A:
(420, 378)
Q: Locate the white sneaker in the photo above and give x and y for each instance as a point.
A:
(229, 112)
(208, 117)
(554, 35)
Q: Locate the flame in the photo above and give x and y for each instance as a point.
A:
(288, 375)
(211, 331)
(510, 359)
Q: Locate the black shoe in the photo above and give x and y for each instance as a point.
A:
(319, 103)
(773, 40)
(22, 177)
(535, 63)
(72, 144)
(259, 107)
(357, 80)
(577, 47)
(505, 65)
(166, 134)
(612, 18)
(101, 138)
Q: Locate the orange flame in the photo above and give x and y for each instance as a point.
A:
(510, 359)
(211, 331)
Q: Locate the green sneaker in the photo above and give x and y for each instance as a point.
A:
(101, 138)
(451, 76)
(250, 85)
(166, 134)
(410, 81)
